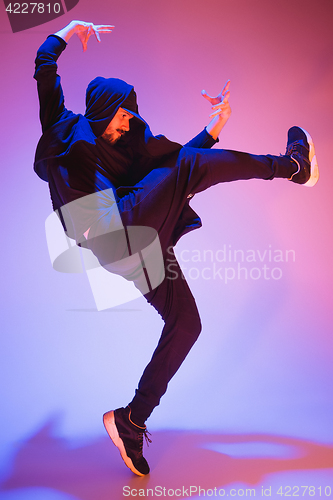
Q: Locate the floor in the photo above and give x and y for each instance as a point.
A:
(183, 464)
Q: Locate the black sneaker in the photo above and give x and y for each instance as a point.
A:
(300, 148)
(128, 437)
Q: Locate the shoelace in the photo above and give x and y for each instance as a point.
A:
(145, 432)
(140, 437)
(293, 147)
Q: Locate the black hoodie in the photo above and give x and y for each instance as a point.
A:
(72, 156)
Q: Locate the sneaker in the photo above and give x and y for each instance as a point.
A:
(300, 148)
(128, 437)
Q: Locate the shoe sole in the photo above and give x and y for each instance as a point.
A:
(111, 429)
(314, 169)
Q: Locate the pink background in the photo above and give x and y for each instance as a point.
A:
(263, 363)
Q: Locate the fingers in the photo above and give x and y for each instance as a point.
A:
(223, 108)
(219, 98)
(226, 87)
(85, 30)
(224, 100)
(206, 96)
(99, 27)
(102, 28)
(212, 100)
(96, 33)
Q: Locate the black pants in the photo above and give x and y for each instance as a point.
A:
(157, 201)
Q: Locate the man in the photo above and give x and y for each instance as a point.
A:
(135, 179)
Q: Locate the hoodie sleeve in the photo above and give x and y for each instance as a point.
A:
(202, 140)
(51, 98)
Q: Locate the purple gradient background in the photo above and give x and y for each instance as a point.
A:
(263, 363)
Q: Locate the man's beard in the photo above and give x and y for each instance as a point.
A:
(113, 137)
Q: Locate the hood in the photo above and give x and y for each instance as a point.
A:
(104, 97)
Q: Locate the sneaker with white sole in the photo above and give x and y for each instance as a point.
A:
(128, 437)
(301, 149)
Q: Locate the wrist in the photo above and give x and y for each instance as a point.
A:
(215, 126)
(67, 32)
(70, 30)
(208, 130)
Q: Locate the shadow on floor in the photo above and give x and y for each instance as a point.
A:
(178, 459)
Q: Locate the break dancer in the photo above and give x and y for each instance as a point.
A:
(111, 153)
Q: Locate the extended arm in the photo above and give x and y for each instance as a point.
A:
(51, 99)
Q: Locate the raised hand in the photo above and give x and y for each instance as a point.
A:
(221, 110)
(220, 103)
(84, 31)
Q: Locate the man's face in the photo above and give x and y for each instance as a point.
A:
(118, 126)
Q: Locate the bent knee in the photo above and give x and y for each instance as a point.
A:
(197, 327)
(191, 324)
